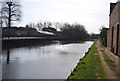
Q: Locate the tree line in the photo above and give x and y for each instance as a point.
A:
(103, 35)
(11, 11)
(73, 31)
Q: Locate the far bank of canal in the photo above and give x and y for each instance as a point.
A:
(53, 60)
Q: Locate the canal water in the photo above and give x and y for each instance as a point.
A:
(53, 60)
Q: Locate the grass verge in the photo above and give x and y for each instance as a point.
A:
(89, 67)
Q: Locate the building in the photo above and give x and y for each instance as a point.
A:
(113, 36)
(49, 29)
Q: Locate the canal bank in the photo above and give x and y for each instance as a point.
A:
(32, 41)
(21, 42)
(98, 63)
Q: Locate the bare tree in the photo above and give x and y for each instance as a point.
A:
(57, 25)
(47, 24)
(32, 25)
(75, 31)
(11, 10)
(40, 25)
(1, 21)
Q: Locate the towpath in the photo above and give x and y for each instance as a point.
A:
(110, 74)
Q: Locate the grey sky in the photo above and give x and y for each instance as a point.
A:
(91, 13)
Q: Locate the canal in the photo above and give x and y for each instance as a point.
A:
(53, 60)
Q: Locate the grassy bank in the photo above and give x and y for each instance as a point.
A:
(89, 67)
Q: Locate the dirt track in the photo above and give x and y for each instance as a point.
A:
(110, 74)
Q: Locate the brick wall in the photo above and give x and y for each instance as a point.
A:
(112, 21)
(113, 28)
(119, 25)
(109, 39)
(114, 16)
(119, 11)
(119, 41)
(115, 39)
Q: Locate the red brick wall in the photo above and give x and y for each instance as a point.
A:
(119, 26)
(119, 11)
(115, 39)
(114, 19)
(119, 41)
(109, 39)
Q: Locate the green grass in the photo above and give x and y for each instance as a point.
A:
(89, 67)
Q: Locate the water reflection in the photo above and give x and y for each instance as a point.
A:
(8, 56)
(71, 42)
(45, 61)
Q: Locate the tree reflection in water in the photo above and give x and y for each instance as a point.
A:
(8, 56)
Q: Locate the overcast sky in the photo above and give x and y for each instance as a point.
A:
(91, 13)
